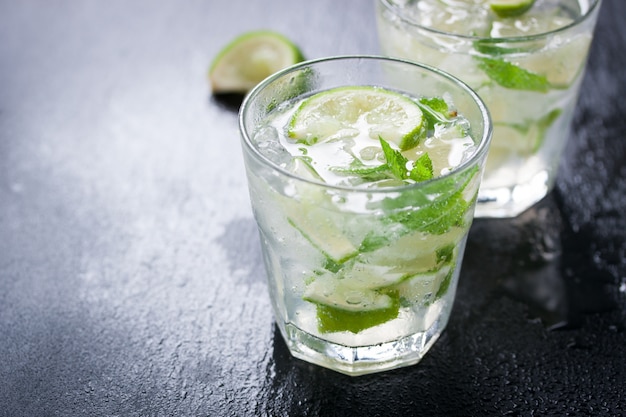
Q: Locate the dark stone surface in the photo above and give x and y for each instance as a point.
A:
(130, 274)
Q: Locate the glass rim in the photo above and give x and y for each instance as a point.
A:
(481, 148)
(393, 8)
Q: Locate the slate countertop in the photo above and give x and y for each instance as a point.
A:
(131, 281)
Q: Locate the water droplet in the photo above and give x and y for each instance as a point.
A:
(269, 145)
(354, 298)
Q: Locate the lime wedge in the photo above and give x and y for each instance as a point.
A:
(341, 306)
(414, 252)
(349, 111)
(328, 290)
(510, 8)
(425, 286)
(332, 319)
(316, 227)
(249, 59)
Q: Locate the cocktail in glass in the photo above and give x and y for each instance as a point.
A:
(528, 68)
(363, 174)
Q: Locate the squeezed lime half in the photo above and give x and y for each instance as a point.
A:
(249, 59)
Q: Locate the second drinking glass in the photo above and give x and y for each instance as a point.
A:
(527, 66)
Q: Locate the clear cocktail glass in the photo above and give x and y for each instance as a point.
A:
(527, 68)
(362, 271)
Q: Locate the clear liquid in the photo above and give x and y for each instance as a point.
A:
(352, 284)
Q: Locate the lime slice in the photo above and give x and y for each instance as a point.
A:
(365, 275)
(249, 59)
(310, 217)
(332, 319)
(425, 286)
(321, 227)
(510, 8)
(329, 290)
(349, 111)
(414, 252)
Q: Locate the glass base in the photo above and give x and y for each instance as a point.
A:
(361, 360)
(507, 202)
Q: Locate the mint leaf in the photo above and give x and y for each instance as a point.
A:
(422, 169)
(365, 172)
(511, 76)
(435, 110)
(396, 162)
(422, 196)
(436, 104)
(436, 217)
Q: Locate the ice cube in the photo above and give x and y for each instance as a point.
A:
(269, 145)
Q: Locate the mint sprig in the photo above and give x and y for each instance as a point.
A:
(395, 167)
(397, 164)
(435, 218)
(415, 210)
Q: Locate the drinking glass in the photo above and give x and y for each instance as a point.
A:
(361, 280)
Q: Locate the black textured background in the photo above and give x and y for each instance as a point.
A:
(130, 274)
